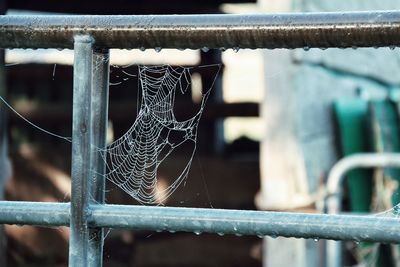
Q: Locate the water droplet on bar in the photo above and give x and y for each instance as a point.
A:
(157, 49)
(197, 232)
(306, 48)
(205, 49)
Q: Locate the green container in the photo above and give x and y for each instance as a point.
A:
(354, 137)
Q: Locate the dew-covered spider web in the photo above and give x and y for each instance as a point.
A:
(133, 160)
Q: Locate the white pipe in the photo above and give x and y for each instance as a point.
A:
(334, 190)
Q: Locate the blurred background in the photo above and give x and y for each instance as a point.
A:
(276, 123)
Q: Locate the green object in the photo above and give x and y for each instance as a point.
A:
(353, 127)
(352, 116)
(386, 138)
(386, 133)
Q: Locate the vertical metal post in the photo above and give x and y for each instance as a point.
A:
(5, 167)
(4, 162)
(99, 116)
(81, 151)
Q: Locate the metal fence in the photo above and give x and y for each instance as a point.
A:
(92, 36)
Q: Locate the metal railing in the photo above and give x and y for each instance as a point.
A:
(92, 36)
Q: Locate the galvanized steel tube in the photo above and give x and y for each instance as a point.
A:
(99, 114)
(239, 222)
(34, 213)
(81, 165)
(290, 30)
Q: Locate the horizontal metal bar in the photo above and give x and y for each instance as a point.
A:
(34, 213)
(239, 222)
(291, 30)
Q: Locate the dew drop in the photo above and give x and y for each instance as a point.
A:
(273, 236)
(306, 48)
(157, 49)
(220, 234)
(197, 232)
(235, 49)
(237, 234)
(172, 231)
(354, 47)
(260, 236)
(316, 239)
(181, 49)
(205, 49)
(142, 48)
(222, 49)
(392, 47)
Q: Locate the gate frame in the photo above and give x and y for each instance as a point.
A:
(92, 36)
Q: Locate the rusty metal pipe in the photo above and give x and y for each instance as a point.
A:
(291, 30)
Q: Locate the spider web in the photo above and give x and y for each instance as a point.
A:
(133, 160)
